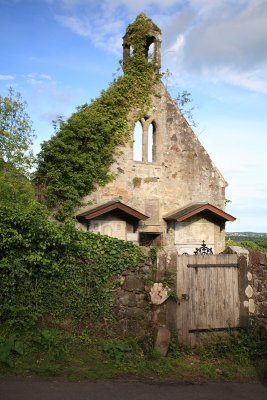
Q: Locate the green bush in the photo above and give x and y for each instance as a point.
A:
(55, 269)
(244, 345)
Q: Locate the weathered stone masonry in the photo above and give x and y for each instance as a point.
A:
(257, 289)
(180, 173)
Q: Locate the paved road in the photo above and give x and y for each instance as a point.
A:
(17, 388)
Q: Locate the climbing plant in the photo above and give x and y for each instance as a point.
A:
(54, 269)
(80, 154)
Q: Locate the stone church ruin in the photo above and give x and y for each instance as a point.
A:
(169, 194)
(174, 196)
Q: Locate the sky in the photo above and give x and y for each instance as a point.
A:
(60, 54)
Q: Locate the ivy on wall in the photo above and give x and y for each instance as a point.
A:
(54, 269)
(80, 154)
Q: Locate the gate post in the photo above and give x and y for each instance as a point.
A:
(242, 259)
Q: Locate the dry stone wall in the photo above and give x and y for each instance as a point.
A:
(130, 297)
(257, 290)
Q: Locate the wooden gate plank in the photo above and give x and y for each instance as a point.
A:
(207, 288)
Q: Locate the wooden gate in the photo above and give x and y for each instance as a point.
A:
(208, 295)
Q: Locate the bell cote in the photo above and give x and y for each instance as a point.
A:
(142, 43)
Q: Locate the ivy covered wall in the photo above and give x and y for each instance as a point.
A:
(54, 269)
(80, 154)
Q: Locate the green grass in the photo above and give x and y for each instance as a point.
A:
(77, 355)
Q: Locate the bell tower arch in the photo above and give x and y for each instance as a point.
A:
(142, 43)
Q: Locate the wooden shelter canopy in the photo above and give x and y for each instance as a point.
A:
(112, 205)
(188, 211)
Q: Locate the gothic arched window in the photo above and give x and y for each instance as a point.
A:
(144, 141)
(137, 141)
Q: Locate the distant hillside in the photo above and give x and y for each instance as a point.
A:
(246, 234)
(249, 240)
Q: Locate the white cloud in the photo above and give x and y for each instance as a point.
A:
(255, 80)
(75, 24)
(104, 23)
(231, 38)
(133, 5)
(103, 32)
(45, 76)
(7, 77)
(218, 40)
(178, 45)
(35, 77)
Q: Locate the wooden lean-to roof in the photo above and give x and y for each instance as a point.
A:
(190, 210)
(112, 205)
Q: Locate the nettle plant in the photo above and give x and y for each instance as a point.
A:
(80, 154)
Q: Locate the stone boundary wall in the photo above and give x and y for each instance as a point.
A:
(131, 298)
(132, 304)
(257, 277)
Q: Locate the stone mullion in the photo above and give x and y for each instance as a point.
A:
(144, 141)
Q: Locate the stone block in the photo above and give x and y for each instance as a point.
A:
(238, 250)
(249, 291)
(133, 284)
(263, 328)
(263, 259)
(159, 293)
(126, 298)
(251, 306)
(146, 270)
(134, 312)
(261, 296)
(163, 338)
(262, 309)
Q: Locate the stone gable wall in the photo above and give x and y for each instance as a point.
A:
(182, 173)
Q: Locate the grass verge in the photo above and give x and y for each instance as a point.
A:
(72, 354)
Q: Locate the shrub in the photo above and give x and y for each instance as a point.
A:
(55, 269)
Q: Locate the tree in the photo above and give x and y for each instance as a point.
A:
(15, 188)
(16, 132)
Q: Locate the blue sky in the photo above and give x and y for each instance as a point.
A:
(61, 53)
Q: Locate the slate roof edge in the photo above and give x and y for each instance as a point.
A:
(103, 208)
(191, 209)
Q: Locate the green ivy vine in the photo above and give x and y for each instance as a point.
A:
(79, 155)
(56, 270)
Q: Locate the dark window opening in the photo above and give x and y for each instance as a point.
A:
(150, 239)
(150, 48)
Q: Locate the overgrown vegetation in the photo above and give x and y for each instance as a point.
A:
(15, 187)
(79, 156)
(86, 353)
(49, 271)
(56, 270)
(56, 282)
(243, 346)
